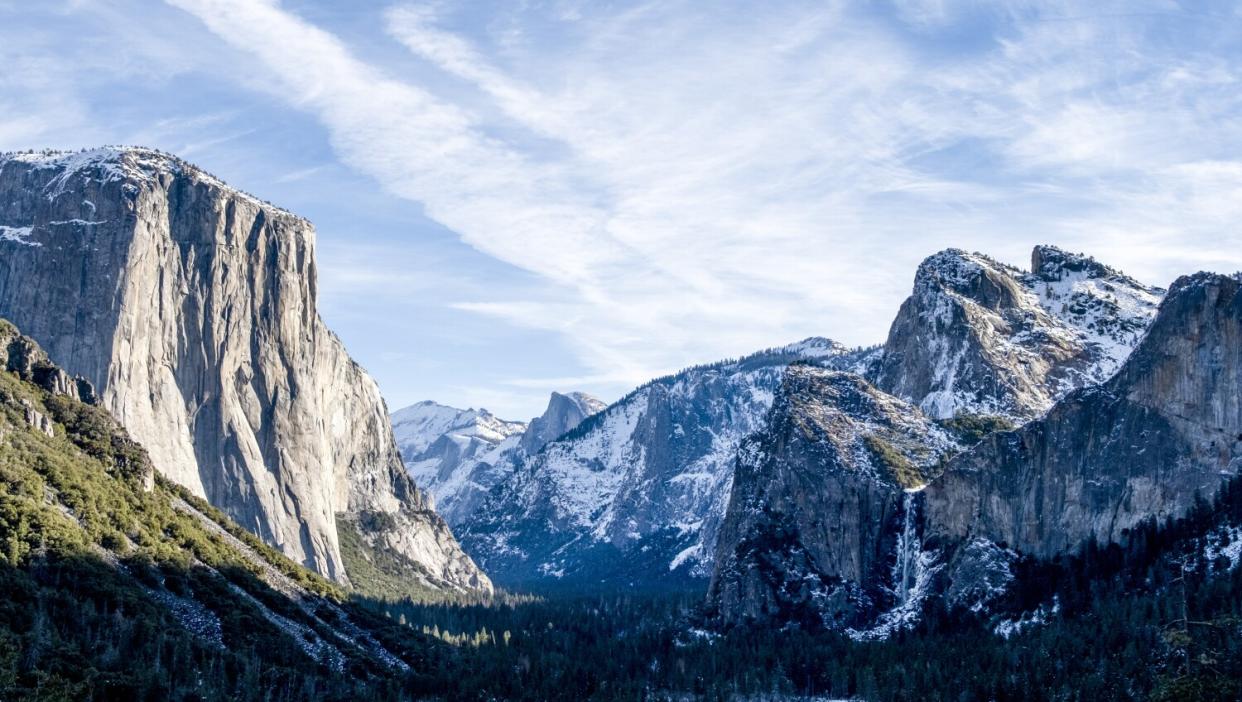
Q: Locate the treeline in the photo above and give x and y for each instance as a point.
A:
(75, 630)
(1156, 619)
(112, 594)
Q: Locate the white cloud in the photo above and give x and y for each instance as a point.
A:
(694, 184)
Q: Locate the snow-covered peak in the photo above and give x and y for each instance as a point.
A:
(1107, 310)
(1053, 263)
(586, 403)
(971, 276)
(815, 347)
(980, 336)
(419, 425)
(134, 165)
(120, 162)
(564, 413)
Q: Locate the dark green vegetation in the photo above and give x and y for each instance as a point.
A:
(118, 586)
(971, 428)
(1151, 621)
(903, 472)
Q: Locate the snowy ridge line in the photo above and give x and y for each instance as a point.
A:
(1002, 341)
(821, 349)
(120, 163)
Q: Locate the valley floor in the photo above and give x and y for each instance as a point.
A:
(1158, 622)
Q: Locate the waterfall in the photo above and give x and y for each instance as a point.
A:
(909, 548)
(911, 578)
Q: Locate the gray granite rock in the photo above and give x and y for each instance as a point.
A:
(191, 307)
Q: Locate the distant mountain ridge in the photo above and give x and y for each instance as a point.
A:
(460, 455)
(636, 495)
(418, 426)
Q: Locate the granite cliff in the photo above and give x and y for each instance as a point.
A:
(1163, 432)
(979, 337)
(818, 501)
(810, 537)
(191, 307)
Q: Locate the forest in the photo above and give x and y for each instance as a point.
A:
(115, 590)
(1129, 625)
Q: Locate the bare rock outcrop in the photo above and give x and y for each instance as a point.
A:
(979, 337)
(815, 521)
(191, 307)
(1165, 429)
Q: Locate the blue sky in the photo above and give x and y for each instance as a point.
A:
(519, 197)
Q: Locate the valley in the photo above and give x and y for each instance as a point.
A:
(1029, 490)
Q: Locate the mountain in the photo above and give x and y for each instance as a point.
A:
(458, 456)
(638, 494)
(818, 497)
(979, 337)
(420, 425)
(564, 412)
(191, 307)
(1164, 432)
(122, 585)
(634, 496)
(1143, 448)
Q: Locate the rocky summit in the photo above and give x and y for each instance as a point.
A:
(862, 550)
(191, 308)
(979, 337)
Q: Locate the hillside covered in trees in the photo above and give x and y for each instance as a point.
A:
(121, 586)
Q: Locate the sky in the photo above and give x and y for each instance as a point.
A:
(524, 196)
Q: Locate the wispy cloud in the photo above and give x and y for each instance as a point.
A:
(300, 174)
(700, 182)
(691, 181)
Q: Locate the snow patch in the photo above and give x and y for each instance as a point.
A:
(1011, 627)
(18, 235)
(1224, 542)
(76, 223)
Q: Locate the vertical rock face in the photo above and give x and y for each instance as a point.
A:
(191, 306)
(1156, 423)
(813, 525)
(809, 531)
(1166, 428)
(564, 412)
(979, 337)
